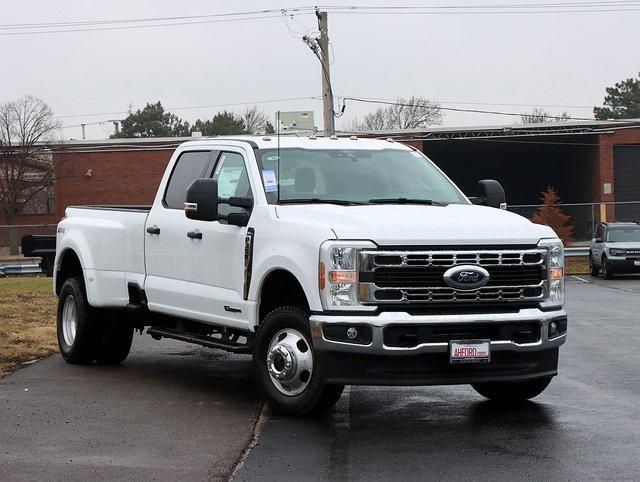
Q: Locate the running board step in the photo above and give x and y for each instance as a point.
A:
(158, 333)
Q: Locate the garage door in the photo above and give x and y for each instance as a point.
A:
(626, 171)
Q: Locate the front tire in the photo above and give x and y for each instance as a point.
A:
(286, 368)
(607, 270)
(512, 392)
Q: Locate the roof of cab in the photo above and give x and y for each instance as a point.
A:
(271, 141)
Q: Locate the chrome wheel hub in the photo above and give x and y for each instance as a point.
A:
(69, 320)
(289, 362)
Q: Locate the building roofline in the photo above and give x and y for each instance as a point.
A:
(545, 128)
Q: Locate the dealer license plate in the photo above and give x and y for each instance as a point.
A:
(470, 351)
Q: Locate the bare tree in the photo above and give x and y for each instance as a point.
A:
(255, 121)
(26, 168)
(411, 113)
(539, 115)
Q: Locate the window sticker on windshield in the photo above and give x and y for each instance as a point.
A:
(272, 158)
(270, 181)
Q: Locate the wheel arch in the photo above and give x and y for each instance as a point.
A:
(280, 287)
(69, 265)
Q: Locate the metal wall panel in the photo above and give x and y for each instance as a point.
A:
(626, 172)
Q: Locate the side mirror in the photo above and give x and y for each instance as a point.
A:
(491, 194)
(202, 200)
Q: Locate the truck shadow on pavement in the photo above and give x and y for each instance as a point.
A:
(412, 433)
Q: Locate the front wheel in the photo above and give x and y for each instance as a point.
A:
(512, 392)
(287, 370)
(607, 270)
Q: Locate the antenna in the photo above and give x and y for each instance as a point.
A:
(278, 162)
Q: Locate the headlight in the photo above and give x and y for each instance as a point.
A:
(338, 274)
(617, 252)
(554, 290)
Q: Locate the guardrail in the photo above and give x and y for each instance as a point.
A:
(19, 267)
(577, 251)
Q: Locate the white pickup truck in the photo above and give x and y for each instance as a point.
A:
(332, 261)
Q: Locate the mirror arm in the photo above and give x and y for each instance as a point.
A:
(480, 201)
(237, 202)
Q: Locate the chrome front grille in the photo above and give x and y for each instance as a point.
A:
(406, 277)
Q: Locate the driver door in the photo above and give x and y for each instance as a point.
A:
(206, 258)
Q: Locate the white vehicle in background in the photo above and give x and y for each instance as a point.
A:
(331, 261)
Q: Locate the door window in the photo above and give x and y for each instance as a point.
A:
(189, 167)
(233, 180)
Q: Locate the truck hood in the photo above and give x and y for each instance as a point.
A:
(404, 224)
(623, 245)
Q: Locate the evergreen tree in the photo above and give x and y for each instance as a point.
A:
(621, 102)
(152, 121)
(223, 123)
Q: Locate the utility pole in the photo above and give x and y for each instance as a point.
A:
(327, 92)
(320, 47)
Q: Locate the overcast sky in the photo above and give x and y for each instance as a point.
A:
(537, 59)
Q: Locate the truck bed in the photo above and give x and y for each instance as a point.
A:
(111, 242)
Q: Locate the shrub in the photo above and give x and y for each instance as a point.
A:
(551, 215)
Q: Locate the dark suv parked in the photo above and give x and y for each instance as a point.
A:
(615, 249)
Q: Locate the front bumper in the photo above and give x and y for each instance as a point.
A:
(624, 265)
(375, 363)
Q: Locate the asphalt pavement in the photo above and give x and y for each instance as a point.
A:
(174, 411)
(586, 425)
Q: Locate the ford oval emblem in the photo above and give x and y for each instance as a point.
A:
(466, 277)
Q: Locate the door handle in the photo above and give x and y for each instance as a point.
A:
(194, 235)
(153, 229)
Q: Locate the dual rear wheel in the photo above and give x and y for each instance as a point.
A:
(87, 334)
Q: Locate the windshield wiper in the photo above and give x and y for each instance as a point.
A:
(404, 200)
(315, 200)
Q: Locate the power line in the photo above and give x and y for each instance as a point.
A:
(130, 27)
(504, 104)
(495, 12)
(149, 19)
(154, 22)
(227, 104)
(473, 111)
(250, 102)
(496, 6)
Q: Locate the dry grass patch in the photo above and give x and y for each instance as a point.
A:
(27, 320)
(576, 264)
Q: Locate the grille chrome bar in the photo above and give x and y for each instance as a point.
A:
(369, 260)
(505, 289)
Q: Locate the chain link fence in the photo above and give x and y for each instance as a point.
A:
(584, 217)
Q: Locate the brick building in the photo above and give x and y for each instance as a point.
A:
(590, 161)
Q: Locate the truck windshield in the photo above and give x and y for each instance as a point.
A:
(350, 177)
(623, 235)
